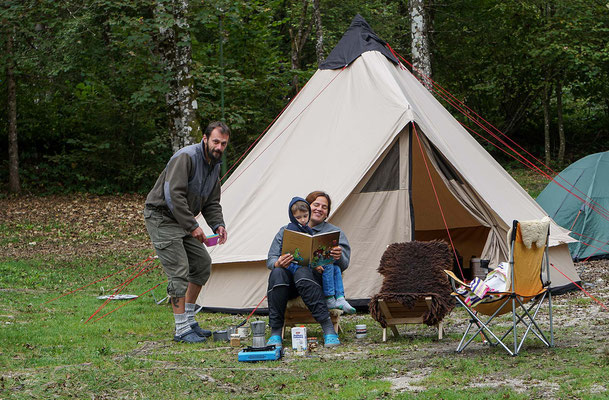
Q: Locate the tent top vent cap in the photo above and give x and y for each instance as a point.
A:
(358, 39)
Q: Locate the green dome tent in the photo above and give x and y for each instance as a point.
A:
(585, 210)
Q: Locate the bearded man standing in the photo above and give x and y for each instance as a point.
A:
(189, 184)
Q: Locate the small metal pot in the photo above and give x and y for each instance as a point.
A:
(220, 336)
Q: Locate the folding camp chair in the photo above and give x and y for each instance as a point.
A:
(527, 288)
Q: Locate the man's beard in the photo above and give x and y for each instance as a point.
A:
(212, 156)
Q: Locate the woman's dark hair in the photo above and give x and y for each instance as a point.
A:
(319, 193)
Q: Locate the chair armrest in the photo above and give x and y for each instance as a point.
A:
(453, 278)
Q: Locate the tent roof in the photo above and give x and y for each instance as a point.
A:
(588, 176)
(358, 39)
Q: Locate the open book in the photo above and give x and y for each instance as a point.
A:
(310, 250)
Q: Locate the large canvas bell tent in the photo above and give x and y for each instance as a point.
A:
(578, 199)
(366, 131)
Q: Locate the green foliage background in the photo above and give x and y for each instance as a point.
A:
(90, 89)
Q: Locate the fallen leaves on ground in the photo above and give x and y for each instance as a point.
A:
(67, 225)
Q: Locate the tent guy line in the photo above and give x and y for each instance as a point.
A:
(444, 94)
(250, 315)
(416, 135)
(151, 257)
(573, 232)
(590, 176)
(133, 276)
(592, 204)
(582, 289)
(597, 249)
(129, 301)
(553, 180)
(533, 167)
(123, 286)
(435, 192)
(604, 213)
(368, 61)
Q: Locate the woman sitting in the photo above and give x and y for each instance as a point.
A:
(304, 282)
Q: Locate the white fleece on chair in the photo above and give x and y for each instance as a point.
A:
(535, 231)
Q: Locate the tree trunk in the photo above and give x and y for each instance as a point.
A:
(419, 31)
(561, 127)
(546, 122)
(298, 39)
(13, 148)
(176, 55)
(319, 43)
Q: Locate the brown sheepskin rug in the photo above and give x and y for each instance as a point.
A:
(413, 270)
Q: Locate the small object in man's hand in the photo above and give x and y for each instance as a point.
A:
(212, 240)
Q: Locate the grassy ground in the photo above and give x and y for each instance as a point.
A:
(531, 180)
(49, 350)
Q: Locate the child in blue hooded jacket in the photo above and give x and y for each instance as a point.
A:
(299, 211)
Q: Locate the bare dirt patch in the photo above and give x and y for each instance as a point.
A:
(147, 347)
(408, 382)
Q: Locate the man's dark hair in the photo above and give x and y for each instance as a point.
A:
(217, 124)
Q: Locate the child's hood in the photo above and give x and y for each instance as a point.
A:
(294, 223)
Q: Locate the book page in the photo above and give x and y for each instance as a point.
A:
(299, 245)
(322, 244)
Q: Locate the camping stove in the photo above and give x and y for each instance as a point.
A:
(259, 351)
(266, 353)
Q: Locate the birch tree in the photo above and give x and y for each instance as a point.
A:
(419, 31)
(176, 54)
(319, 42)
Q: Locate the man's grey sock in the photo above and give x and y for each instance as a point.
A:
(190, 312)
(327, 327)
(275, 331)
(182, 325)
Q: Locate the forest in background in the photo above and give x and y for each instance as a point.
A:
(90, 82)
